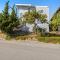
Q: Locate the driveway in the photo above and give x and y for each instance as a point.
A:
(28, 50)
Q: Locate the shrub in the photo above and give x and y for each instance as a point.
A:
(21, 37)
(8, 37)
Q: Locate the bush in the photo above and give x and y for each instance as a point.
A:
(8, 37)
(26, 37)
(21, 37)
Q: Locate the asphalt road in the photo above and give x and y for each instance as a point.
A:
(28, 51)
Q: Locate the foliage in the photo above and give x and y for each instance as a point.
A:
(49, 39)
(28, 17)
(4, 17)
(0, 14)
(6, 12)
(1, 18)
(21, 37)
(8, 21)
(32, 15)
(43, 18)
(55, 21)
(54, 24)
(8, 37)
(13, 19)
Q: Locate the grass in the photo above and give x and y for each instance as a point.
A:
(49, 39)
(8, 37)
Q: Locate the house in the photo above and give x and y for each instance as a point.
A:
(22, 8)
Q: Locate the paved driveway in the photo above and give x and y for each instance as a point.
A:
(28, 51)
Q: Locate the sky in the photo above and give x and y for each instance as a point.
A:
(52, 4)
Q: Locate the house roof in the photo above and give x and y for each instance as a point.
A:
(30, 5)
(24, 4)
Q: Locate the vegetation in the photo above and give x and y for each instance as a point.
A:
(55, 21)
(8, 21)
(49, 39)
(30, 16)
(14, 22)
(45, 39)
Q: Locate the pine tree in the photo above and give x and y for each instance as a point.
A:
(6, 11)
(5, 17)
(12, 22)
(55, 20)
(8, 21)
(13, 17)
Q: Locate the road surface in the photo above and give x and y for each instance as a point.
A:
(28, 50)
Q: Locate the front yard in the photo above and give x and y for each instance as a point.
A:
(33, 37)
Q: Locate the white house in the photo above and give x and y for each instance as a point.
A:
(22, 8)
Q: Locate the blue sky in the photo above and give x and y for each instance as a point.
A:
(52, 4)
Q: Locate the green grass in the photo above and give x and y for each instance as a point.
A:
(8, 37)
(49, 39)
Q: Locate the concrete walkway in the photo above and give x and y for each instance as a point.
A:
(28, 50)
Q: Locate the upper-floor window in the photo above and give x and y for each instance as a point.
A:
(40, 11)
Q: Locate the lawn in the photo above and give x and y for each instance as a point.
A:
(49, 39)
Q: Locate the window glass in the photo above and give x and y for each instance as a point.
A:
(40, 11)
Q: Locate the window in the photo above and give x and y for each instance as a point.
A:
(40, 11)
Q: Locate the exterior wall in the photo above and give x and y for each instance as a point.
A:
(43, 10)
(22, 8)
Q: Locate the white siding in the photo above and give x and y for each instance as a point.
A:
(45, 10)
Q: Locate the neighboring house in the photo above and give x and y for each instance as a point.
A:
(22, 8)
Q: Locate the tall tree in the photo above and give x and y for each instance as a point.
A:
(6, 11)
(5, 17)
(55, 20)
(8, 21)
(13, 18)
(12, 22)
(32, 15)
